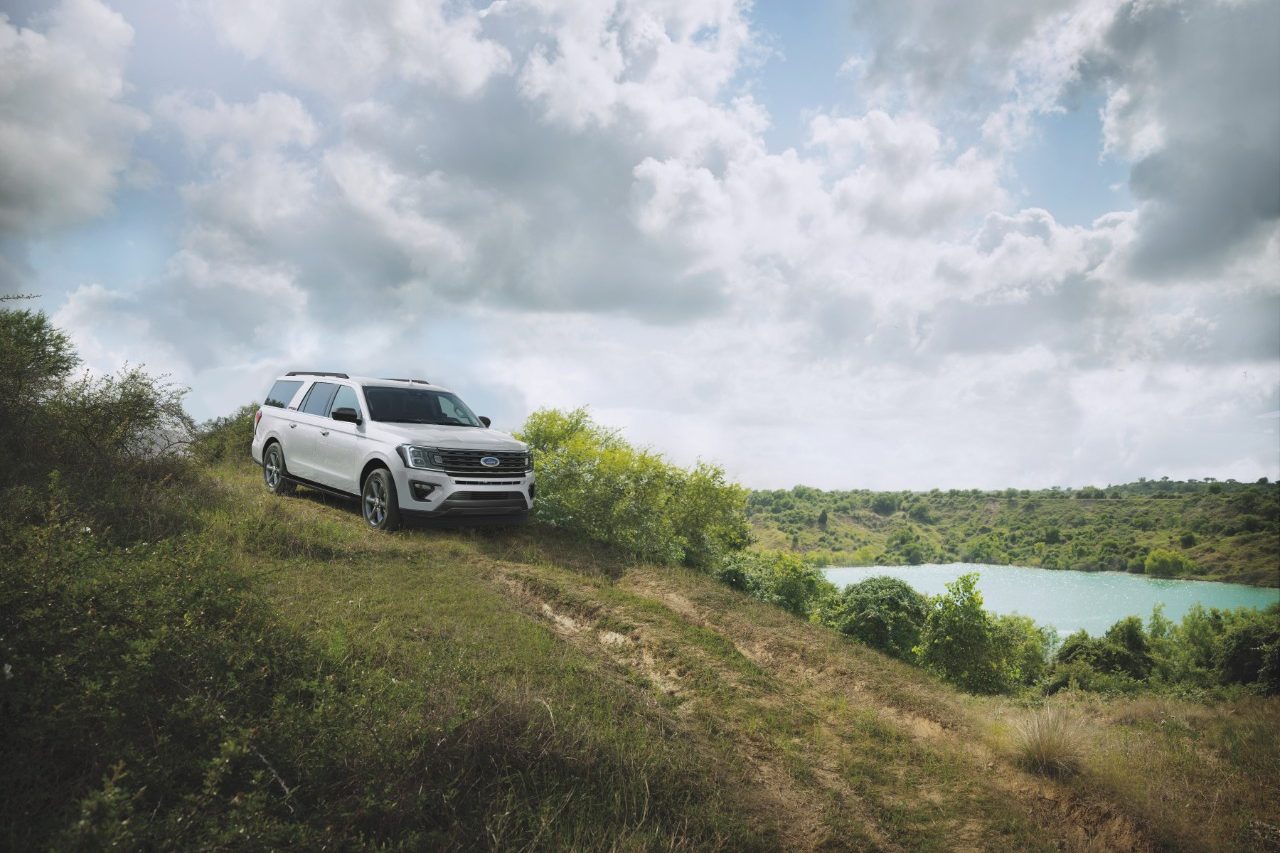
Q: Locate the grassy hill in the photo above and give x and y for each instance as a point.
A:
(521, 690)
(188, 662)
(1215, 531)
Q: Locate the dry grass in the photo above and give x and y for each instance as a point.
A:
(1050, 741)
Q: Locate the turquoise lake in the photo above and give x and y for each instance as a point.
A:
(1070, 600)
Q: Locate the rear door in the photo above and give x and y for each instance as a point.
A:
(302, 448)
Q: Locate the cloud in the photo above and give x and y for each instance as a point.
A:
(67, 131)
(1192, 101)
(348, 48)
(571, 204)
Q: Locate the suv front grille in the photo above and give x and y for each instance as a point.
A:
(466, 463)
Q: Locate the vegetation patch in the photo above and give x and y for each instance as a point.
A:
(1204, 529)
(1050, 741)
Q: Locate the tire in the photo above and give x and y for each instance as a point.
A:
(274, 472)
(378, 502)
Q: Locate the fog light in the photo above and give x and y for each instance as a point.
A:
(421, 491)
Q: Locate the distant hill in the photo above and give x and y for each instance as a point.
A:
(1226, 531)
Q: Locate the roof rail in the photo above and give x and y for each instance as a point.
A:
(395, 379)
(316, 373)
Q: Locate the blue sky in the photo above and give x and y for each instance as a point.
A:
(1025, 245)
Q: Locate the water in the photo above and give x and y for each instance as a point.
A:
(1070, 600)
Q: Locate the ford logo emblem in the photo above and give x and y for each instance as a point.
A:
(490, 461)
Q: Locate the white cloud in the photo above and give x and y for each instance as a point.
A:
(66, 131)
(575, 204)
(348, 48)
(1192, 102)
(273, 120)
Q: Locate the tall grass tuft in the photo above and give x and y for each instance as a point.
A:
(1050, 741)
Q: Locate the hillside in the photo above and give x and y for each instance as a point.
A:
(542, 694)
(1216, 531)
(188, 662)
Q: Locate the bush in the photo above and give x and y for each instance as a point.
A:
(778, 578)
(147, 692)
(1123, 650)
(1025, 648)
(884, 613)
(592, 482)
(1248, 652)
(1049, 741)
(959, 640)
(117, 444)
(884, 503)
(226, 438)
(1163, 563)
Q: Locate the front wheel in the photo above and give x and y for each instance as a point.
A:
(274, 474)
(378, 501)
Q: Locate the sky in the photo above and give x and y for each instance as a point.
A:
(886, 244)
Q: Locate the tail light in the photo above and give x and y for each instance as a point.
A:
(257, 416)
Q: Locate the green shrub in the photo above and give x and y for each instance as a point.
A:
(1080, 675)
(118, 443)
(778, 578)
(885, 503)
(592, 482)
(884, 613)
(1163, 563)
(1248, 651)
(959, 640)
(226, 438)
(1123, 650)
(1025, 648)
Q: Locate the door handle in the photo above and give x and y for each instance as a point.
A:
(293, 426)
(324, 432)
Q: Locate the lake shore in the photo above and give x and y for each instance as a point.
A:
(1068, 599)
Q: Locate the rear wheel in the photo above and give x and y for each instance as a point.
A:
(378, 502)
(274, 474)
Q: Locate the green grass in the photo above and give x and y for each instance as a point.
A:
(282, 676)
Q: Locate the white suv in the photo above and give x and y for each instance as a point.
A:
(404, 447)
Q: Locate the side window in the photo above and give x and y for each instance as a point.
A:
(345, 399)
(281, 393)
(318, 399)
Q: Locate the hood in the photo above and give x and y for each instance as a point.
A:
(460, 438)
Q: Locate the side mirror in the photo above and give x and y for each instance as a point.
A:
(485, 421)
(351, 416)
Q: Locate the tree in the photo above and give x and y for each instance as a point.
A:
(1163, 563)
(1249, 651)
(1024, 646)
(885, 503)
(884, 613)
(35, 361)
(959, 641)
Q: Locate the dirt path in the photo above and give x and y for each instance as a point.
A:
(858, 751)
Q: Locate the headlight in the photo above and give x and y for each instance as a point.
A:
(416, 456)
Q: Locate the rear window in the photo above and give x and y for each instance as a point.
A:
(318, 398)
(281, 393)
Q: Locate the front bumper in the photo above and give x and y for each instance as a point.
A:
(437, 494)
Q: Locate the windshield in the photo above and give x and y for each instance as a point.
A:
(417, 406)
